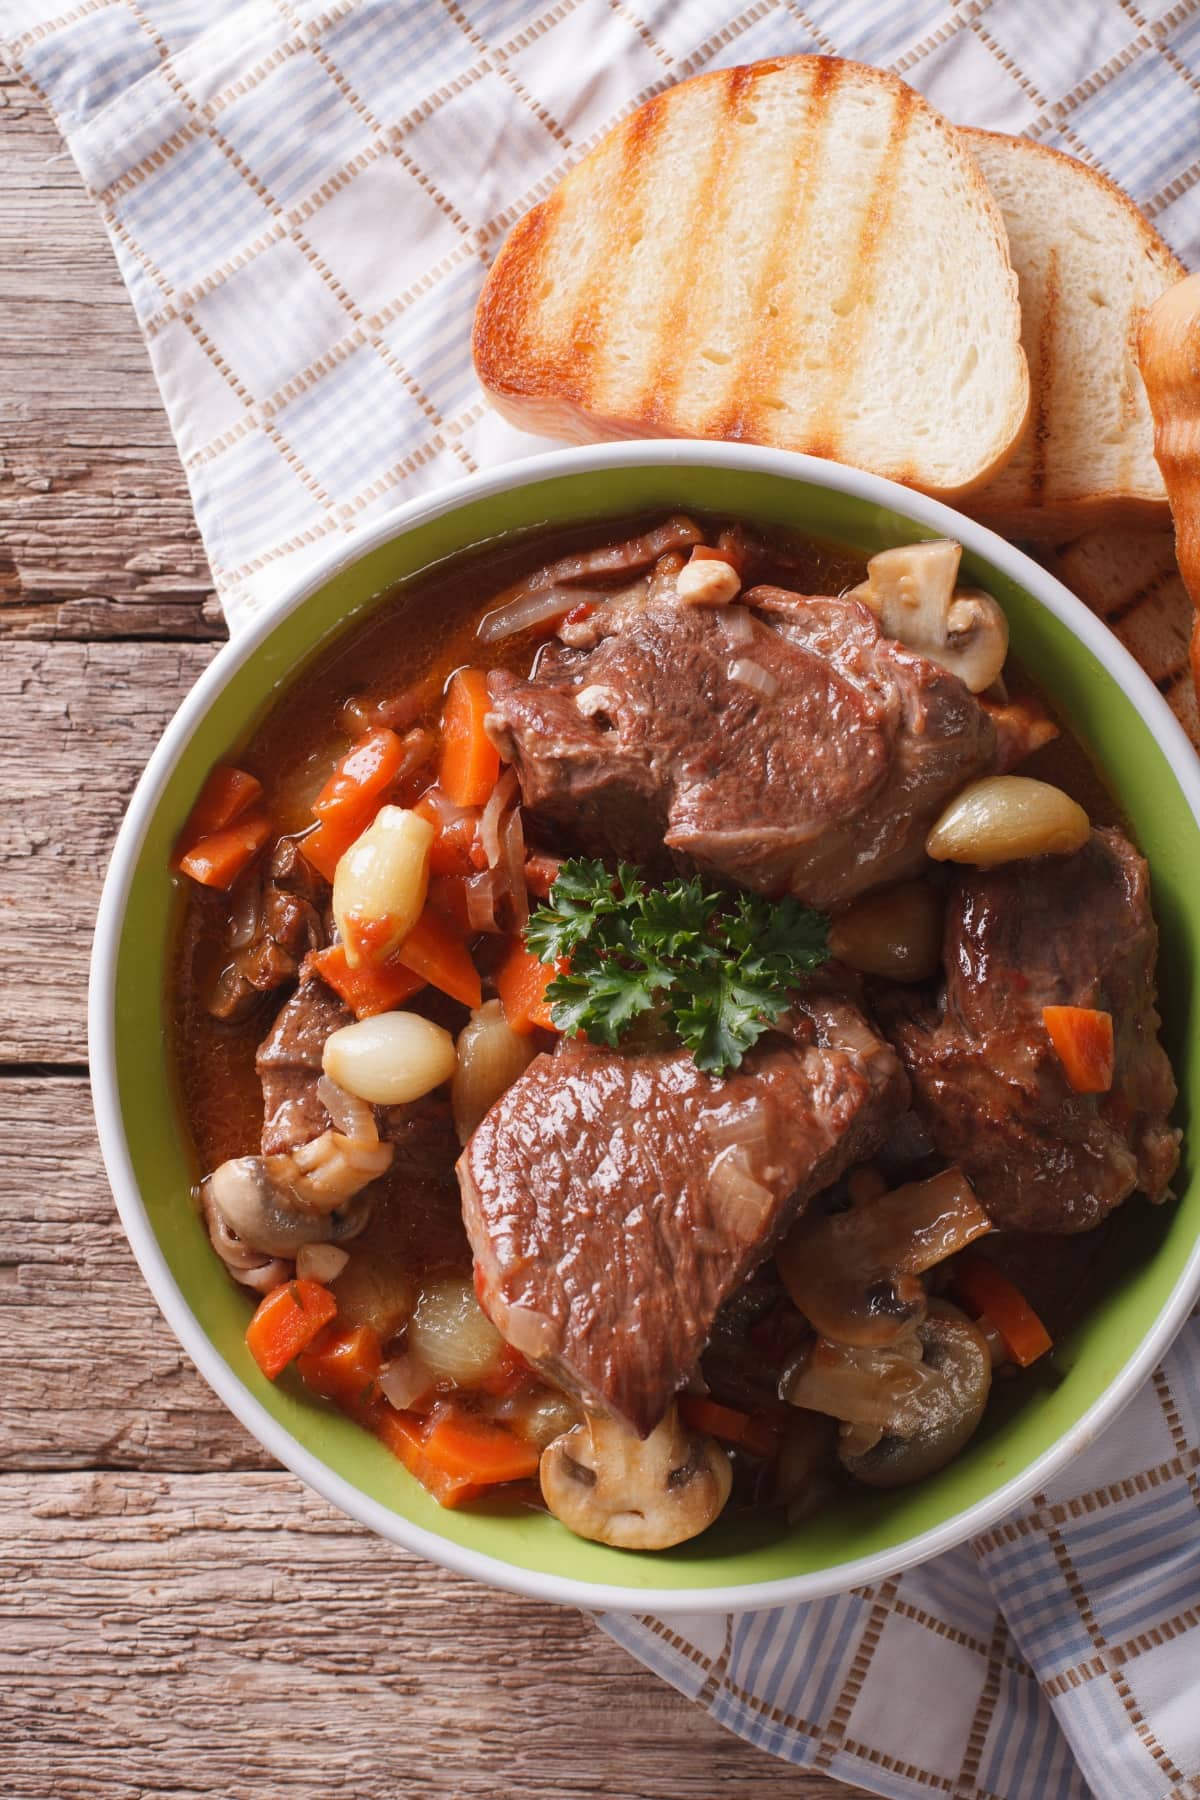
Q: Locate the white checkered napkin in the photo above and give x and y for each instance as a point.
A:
(303, 199)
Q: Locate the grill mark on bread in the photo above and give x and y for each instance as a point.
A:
(848, 335)
(677, 344)
(744, 416)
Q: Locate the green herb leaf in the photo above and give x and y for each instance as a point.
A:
(718, 970)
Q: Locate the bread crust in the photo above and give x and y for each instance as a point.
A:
(542, 378)
(1030, 501)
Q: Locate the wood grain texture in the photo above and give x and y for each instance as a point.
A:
(175, 1619)
(97, 537)
(206, 1635)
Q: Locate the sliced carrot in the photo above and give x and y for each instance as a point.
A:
(751, 1431)
(1083, 1039)
(217, 861)
(991, 1295)
(541, 872)
(435, 951)
(463, 1445)
(287, 1321)
(225, 796)
(343, 1364)
(352, 796)
(371, 987)
(470, 761)
(363, 773)
(521, 982)
(404, 1436)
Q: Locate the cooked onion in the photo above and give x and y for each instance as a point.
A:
(883, 1388)
(483, 892)
(489, 825)
(746, 1126)
(737, 625)
(352, 1116)
(490, 1057)
(512, 844)
(452, 1334)
(529, 609)
(750, 674)
(404, 1379)
(320, 1262)
(742, 1201)
(245, 902)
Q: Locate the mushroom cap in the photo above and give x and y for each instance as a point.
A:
(607, 1484)
(957, 1352)
(272, 1218)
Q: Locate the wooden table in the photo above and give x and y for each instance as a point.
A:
(176, 1614)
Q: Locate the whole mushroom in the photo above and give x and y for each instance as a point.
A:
(607, 1484)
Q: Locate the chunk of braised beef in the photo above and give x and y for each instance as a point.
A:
(1048, 931)
(783, 743)
(615, 1200)
(291, 920)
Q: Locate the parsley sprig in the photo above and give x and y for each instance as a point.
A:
(716, 969)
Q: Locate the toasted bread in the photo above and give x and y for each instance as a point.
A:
(1129, 577)
(1169, 353)
(799, 253)
(1088, 265)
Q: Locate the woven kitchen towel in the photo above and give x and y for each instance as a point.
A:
(303, 199)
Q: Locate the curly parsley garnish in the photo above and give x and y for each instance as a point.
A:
(717, 969)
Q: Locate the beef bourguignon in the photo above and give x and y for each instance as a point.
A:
(634, 1023)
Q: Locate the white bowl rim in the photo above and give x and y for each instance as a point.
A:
(591, 1596)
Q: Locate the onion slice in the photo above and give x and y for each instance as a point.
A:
(512, 840)
(489, 825)
(750, 674)
(540, 607)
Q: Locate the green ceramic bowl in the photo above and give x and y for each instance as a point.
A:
(1144, 1297)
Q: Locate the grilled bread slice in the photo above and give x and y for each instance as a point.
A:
(1088, 265)
(1169, 354)
(1128, 575)
(799, 253)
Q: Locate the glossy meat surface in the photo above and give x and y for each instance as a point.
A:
(821, 786)
(614, 1200)
(1052, 931)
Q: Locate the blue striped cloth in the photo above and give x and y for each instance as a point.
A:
(303, 199)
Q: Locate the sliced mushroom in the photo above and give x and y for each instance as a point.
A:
(609, 1485)
(313, 1195)
(853, 1274)
(956, 1353)
(911, 590)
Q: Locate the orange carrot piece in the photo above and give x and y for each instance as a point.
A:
(287, 1321)
(361, 776)
(991, 1295)
(343, 1364)
(351, 797)
(470, 761)
(404, 1436)
(217, 861)
(521, 982)
(225, 796)
(1083, 1039)
(461, 1444)
(751, 1430)
(434, 950)
(371, 987)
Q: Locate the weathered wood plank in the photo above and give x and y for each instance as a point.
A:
(97, 537)
(232, 1635)
(90, 1373)
(80, 721)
